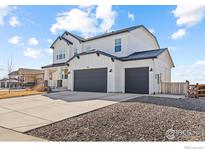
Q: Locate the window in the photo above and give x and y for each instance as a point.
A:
(64, 74)
(75, 51)
(63, 55)
(158, 77)
(118, 45)
(60, 54)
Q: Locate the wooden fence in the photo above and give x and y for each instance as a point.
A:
(177, 88)
(196, 91)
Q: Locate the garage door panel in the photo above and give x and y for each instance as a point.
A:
(92, 80)
(137, 80)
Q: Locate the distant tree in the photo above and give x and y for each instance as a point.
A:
(10, 68)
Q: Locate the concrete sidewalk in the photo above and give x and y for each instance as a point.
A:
(9, 135)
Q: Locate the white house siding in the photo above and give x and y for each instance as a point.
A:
(107, 44)
(118, 76)
(163, 66)
(76, 44)
(92, 61)
(60, 44)
(134, 41)
(140, 40)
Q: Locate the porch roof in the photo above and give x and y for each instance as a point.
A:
(53, 65)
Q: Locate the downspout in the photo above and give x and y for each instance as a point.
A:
(153, 78)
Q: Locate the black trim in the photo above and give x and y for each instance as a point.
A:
(66, 40)
(80, 39)
(92, 52)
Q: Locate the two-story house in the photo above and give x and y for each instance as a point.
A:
(129, 60)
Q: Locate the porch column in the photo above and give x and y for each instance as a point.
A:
(59, 73)
(46, 74)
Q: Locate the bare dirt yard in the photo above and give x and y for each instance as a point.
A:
(141, 119)
(17, 93)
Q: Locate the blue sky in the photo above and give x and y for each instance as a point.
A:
(26, 32)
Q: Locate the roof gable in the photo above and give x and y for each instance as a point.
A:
(166, 55)
(61, 38)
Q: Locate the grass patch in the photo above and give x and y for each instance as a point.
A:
(6, 94)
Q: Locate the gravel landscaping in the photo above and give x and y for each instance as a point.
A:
(141, 119)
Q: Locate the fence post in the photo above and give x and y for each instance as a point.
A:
(187, 88)
(197, 90)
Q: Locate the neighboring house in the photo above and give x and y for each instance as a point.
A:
(4, 83)
(129, 60)
(27, 77)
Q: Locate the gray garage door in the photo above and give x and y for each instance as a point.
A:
(92, 80)
(137, 80)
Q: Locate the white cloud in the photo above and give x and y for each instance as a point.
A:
(178, 34)
(74, 20)
(131, 16)
(14, 21)
(189, 15)
(49, 41)
(107, 15)
(85, 6)
(33, 41)
(174, 48)
(49, 50)
(85, 21)
(151, 30)
(194, 73)
(15, 40)
(199, 63)
(33, 53)
(4, 10)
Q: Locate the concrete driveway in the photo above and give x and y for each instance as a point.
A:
(25, 113)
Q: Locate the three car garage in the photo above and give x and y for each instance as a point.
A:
(95, 80)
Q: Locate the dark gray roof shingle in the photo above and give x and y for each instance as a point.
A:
(149, 54)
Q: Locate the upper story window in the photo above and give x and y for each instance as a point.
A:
(75, 51)
(60, 54)
(118, 45)
(87, 47)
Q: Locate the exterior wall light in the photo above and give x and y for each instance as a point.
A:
(151, 70)
(112, 59)
(110, 70)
